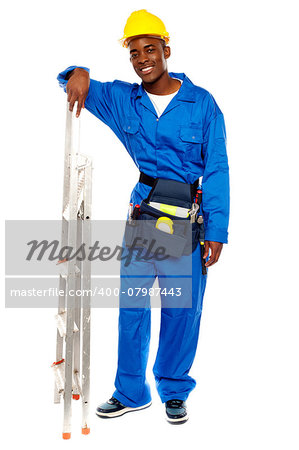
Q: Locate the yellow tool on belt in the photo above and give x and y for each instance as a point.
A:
(177, 211)
(165, 224)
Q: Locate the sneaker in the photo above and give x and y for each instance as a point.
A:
(176, 412)
(113, 408)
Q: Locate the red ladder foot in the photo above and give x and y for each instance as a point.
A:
(66, 435)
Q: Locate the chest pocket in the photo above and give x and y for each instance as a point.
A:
(131, 126)
(131, 134)
(191, 140)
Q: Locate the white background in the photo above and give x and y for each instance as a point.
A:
(247, 370)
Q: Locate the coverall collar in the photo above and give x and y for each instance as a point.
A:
(185, 94)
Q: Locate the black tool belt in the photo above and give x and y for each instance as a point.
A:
(150, 181)
(141, 228)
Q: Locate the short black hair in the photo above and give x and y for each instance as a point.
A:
(163, 43)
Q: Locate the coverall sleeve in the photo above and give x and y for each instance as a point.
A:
(102, 101)
(215, 182)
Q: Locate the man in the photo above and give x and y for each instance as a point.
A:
(173, 130)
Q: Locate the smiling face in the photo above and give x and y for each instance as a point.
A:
(148, 56)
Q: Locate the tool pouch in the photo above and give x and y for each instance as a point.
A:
(142, 232)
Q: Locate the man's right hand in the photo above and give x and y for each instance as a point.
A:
(77, 89)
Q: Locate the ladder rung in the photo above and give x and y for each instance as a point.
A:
(61, 324)
(76, 383)
(59, 369)
(64, 269)
(59, 374)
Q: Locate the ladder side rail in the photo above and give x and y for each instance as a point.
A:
(59, 339)
(86, 301)
(64, 236)
(72, 129)
(77, 336)
(67, 147)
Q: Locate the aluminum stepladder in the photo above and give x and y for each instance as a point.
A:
(73, 318)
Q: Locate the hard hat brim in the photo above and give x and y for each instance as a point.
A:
(126, 39)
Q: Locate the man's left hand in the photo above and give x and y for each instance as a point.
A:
(216, 248)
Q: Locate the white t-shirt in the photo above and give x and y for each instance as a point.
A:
(160, 102)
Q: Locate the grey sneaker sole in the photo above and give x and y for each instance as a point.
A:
(121, 412)
(179, 421)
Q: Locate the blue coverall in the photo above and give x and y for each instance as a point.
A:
(186, 142)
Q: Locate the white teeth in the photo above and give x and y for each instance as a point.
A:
(146, 69)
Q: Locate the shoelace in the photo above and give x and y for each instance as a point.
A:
(174, 403)
(114, 401)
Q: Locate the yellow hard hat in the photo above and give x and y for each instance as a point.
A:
(142, 22)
